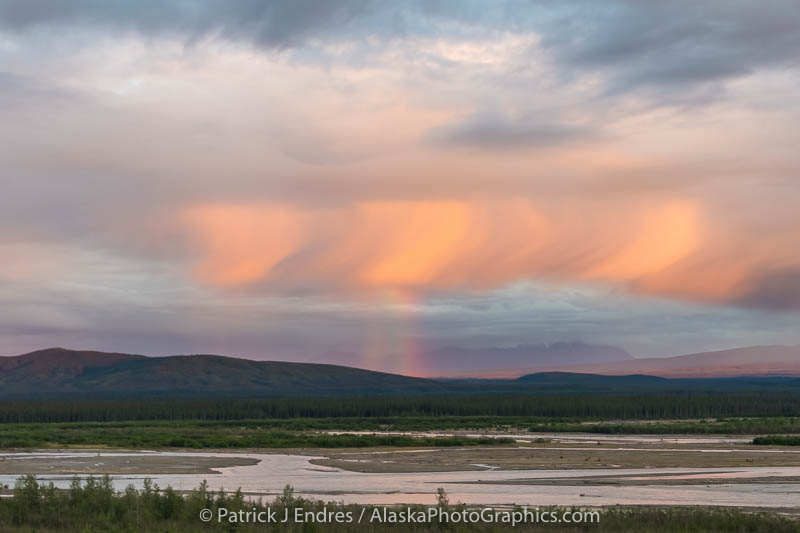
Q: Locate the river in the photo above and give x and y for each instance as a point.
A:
(274, 471)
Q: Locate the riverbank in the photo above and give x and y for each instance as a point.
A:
(97, 506)
(344, 432)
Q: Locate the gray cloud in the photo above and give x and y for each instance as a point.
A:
(494, 131)
(24, 91)
(90, 169)
(271, 24)
(635, 44)
(676, 43)
(777, 290)
(129, 315)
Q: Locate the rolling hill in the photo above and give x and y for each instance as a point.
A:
(58, 370)
(750, 361)
(461, 361)
(597, 380)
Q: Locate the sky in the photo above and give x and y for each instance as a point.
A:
(287, 180)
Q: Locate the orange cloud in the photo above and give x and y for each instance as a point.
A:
(662, 236)
(419, 240)
(444, 244)
(242, 244)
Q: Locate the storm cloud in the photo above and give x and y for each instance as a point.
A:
(267, 177)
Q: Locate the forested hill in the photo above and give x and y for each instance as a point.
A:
(85, 374)
(58, 371)
(572, 378)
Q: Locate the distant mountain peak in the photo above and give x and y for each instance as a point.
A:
(768, 360)
(454, 360)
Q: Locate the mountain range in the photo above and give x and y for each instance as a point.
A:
(63, 371)
(58, 370)
(750, 361)
(450, 361)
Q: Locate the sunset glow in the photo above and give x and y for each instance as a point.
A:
(384, 180)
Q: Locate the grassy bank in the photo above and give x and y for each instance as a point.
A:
(309, 432)
(206, 435)
(724, 426)
(778, 440)
(94, 506)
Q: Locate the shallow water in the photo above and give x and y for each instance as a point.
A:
(275, 471)
(569, 437)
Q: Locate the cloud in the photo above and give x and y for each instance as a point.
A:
(230, 176)
(269, 24)
(244, 243)
(676, 44)
(25, 91)
(631, 46)
(777, 290)
(661, 246)
(491, 131)
(478, 244)
(136, 174)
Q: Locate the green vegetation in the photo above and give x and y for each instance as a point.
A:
(94, 506)
(779, 440)
(244, 434)
(724, 426)
(296, 422)
(310, 432)
(683, 404)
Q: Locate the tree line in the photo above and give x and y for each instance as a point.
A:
(596, 406)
